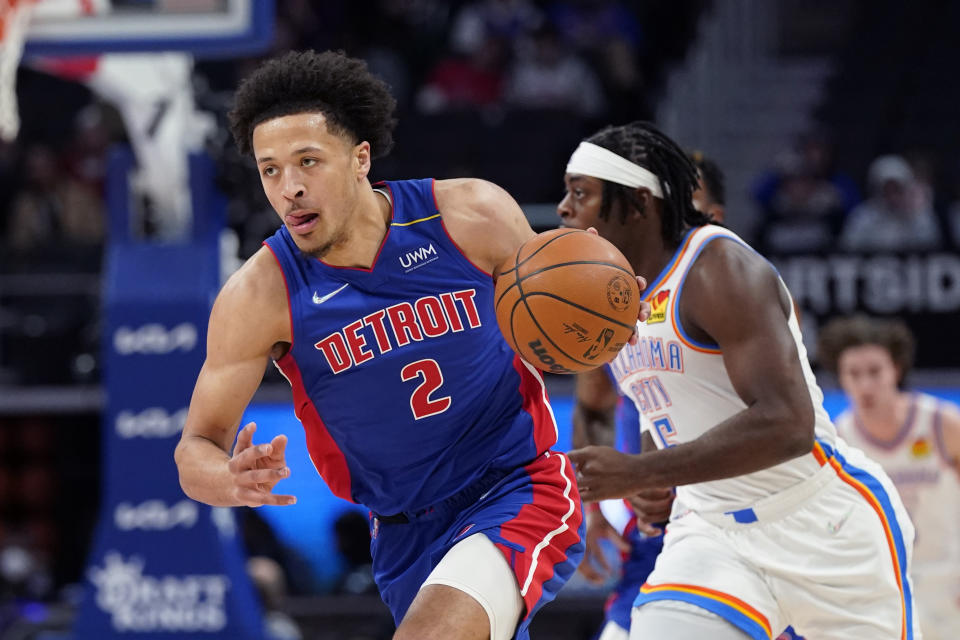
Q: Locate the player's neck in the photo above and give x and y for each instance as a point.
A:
(884, 420)
(648, 253)
(369, 223)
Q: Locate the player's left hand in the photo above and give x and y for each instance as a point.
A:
(604, 472)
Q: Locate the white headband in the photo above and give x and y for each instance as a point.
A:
(595, 161)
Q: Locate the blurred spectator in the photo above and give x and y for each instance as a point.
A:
(592, 25)
(711, 196)
(898, 215)
(803, 200)
(508, 20)
(270, 582)
(52, 208)
(551, 76)
(353, 542)
(609, 36)
(464, 82)
(260, 541)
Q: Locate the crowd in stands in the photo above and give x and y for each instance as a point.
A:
(806, 204)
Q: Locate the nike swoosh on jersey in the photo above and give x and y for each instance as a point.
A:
(834, 528)
(317, 299)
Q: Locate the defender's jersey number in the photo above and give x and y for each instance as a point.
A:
(431, 378)
(666, 431)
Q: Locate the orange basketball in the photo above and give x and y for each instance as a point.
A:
(567, 301)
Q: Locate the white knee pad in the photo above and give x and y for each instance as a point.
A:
(476, 567)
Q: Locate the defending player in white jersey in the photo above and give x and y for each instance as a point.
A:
(776, 521)
(916, 439)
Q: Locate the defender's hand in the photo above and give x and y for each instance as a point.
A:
(604, 472)
(256, 469)
(651, 505)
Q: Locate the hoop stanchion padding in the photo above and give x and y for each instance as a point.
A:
(162, 566)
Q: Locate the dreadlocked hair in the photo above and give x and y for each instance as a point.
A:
(643, 144)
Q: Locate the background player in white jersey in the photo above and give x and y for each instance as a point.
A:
(776, 521)
(916, 438)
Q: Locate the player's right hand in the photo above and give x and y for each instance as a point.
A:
(651, 505)
(256, 469)
(594, 566)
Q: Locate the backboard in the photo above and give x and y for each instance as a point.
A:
(205, 28)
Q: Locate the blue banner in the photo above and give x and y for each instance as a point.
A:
(162, 566)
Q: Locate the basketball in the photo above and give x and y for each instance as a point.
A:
(567, 301)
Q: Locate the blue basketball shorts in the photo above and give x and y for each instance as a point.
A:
(532, 514)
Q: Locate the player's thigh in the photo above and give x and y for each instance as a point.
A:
(709, 568)
(680, 621)
(849, 551)
(474, 589)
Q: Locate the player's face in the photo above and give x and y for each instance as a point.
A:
(580, 207)
(312, 178)
(868, 375)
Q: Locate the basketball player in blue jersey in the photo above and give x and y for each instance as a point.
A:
(916, 438)
(776, 521)
(375, 301)
(627, 523)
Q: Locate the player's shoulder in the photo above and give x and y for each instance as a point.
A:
(471, 199)
(258, 288)
(949, 411)
(725, 259)
(483, 220)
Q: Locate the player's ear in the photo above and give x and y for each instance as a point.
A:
(642, 201)
(361, 159)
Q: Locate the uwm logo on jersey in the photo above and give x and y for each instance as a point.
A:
(416, 259)
(399, 325)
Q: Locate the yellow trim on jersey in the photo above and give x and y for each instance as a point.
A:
(407, 224)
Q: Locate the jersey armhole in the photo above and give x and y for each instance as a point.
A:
(443, 225)
(696, 345)
(286, 286)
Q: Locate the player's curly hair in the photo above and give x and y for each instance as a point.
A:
(841, 334)
(643, 144)
(356, 103)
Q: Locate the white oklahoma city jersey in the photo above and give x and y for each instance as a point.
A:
(682, 388)
(916, 461)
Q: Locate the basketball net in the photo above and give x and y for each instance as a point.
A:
(14, 17)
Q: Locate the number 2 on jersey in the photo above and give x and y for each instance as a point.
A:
(421, 404)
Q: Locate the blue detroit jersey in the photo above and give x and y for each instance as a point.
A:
(406, 389)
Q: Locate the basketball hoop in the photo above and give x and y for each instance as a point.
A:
(14, 16)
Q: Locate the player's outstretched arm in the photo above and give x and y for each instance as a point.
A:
(248, 321)
(734, 298)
